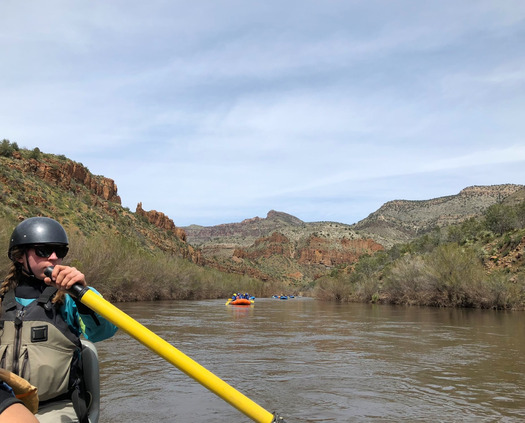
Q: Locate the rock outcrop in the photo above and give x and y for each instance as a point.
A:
(160, 220)
(340, 252)
(68, 175)
(315, 250)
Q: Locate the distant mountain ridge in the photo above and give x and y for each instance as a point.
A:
(284, 247)
(401, 220)
(395, 221)
(248, 230)
(279, 247)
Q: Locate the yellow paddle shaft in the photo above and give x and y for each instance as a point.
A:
(176, 357)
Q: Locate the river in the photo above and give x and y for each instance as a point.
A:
(315, 361)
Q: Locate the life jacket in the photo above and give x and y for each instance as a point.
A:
(37, 344)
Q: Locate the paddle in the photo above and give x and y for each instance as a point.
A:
(171, 354)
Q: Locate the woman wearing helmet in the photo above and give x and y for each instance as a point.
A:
(41, 325)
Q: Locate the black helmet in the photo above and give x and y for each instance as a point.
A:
(37, 230)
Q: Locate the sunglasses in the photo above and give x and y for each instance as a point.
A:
(45, 251)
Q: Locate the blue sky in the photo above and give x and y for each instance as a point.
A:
(217, 111)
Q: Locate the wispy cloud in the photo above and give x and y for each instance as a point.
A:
(216, 112)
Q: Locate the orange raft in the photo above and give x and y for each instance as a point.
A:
(240, 301)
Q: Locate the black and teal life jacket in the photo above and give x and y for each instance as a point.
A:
(37, 344)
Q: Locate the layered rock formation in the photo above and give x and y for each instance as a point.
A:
(336, 253)
(160, 220)
(165, 224)
(68, 174)
(280, 247)
(314, 250)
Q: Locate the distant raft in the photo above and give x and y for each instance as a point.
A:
(241, 301)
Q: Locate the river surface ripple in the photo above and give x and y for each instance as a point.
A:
(317, 361)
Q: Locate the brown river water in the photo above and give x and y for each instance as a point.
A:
(315, 361)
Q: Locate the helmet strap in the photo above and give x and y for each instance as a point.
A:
(27, 269)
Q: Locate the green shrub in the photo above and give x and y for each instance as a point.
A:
(455, 276)
(500, 218)
(408, 282)
(35, 153)
(6, 148)
(333, 288)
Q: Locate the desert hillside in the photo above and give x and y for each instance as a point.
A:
(277, 248)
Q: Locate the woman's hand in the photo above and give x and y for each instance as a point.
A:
(64, 277)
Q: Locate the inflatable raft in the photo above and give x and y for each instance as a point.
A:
(92, 378)
(241, 301)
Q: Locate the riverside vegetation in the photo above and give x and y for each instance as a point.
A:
(477, 263)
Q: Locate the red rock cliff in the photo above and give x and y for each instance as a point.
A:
(67, 174)
(160, 220)
(317, 250)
